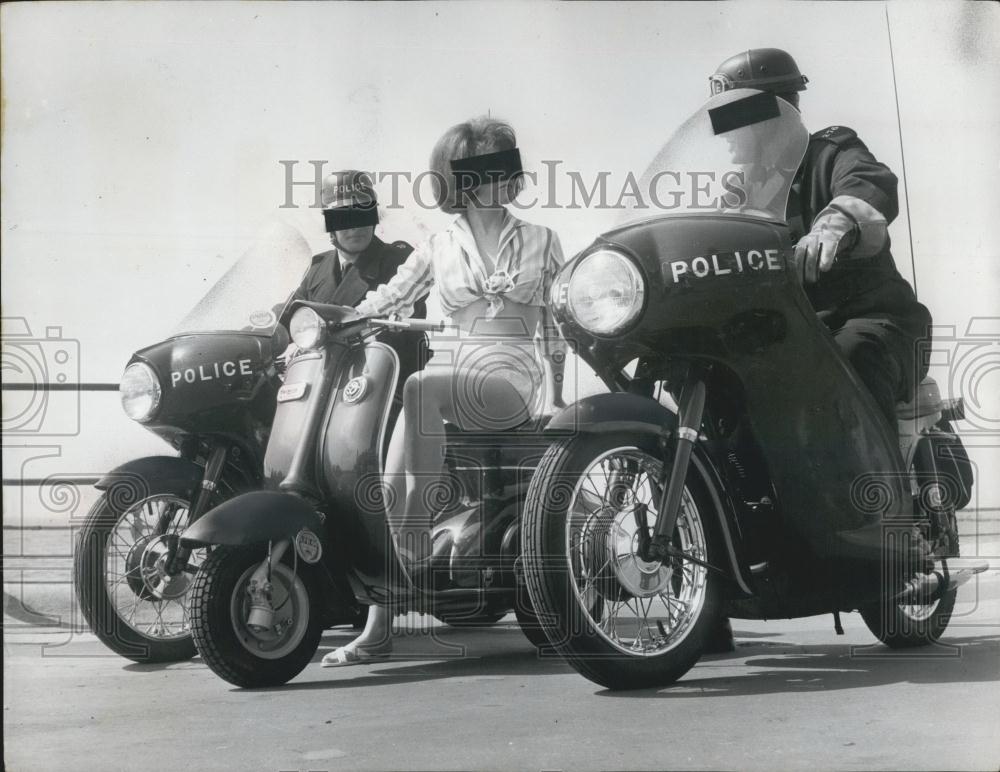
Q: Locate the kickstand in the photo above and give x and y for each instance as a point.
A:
(837, 627)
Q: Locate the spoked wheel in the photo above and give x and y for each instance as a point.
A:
(126, 593)
(236, 649)
(908, 625)
(622, 621)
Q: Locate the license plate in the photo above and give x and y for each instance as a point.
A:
(291, 391)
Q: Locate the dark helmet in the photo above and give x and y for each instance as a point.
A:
(767, 69)
(348, 188)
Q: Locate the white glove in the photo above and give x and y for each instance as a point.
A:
(847, 224)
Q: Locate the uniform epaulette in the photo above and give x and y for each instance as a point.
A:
(838, 135)
(319, 258)
(402, 245)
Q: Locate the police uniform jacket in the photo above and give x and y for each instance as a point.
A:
(837, 163)
(327, 281)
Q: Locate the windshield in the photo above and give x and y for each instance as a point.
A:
(738, 153)
(250, 296)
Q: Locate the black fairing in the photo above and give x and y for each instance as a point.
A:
(826, 445)
(218, 383)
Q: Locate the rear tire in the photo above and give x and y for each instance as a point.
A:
(219, 604)
(593, 593)
(908, 626)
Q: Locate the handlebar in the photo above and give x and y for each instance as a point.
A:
(418, 325)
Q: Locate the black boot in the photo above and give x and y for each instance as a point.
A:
(720, 639)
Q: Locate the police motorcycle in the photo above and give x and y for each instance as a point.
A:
(739, 466)
(209, 391)
(316, 542)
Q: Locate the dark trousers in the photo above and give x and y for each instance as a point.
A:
(888, 358)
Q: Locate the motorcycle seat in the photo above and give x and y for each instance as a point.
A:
(926, 401)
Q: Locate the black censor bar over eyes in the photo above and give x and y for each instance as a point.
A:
(479, 170)
(744, 112)
(343, 217)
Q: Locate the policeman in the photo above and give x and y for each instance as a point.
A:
(841, 204)
(360, 261)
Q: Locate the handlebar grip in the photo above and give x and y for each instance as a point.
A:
(418, 325)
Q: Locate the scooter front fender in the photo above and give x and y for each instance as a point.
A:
(253, 518)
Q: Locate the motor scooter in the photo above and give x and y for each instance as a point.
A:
(315, 542)
(739, 466)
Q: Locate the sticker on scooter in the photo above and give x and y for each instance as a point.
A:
(291, 391)
(355, 389)
(308, 546)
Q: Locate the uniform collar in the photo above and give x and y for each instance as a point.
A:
(366, 263)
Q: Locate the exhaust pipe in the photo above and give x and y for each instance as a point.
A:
(927, 588)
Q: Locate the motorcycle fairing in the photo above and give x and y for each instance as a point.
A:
(834, 461)
(826, 444)
(213, 383)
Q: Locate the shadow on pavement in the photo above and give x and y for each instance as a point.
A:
(790, 668)
(469, 652)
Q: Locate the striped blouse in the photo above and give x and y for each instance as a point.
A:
(527, 260)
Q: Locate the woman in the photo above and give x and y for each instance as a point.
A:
(493, 273)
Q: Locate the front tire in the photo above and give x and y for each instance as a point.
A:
(620, 621)
(219, 610)
(130, 603)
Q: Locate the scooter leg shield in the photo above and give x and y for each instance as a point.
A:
(253, 518)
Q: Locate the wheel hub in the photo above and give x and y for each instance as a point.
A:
(641, 578)
(146, 569)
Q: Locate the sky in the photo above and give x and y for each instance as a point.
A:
(142, 142)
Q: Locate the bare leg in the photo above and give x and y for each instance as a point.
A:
(471, 400)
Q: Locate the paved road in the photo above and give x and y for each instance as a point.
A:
(793, 695)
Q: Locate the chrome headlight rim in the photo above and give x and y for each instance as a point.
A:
(154, 393)
(633, 263)
(306, 328)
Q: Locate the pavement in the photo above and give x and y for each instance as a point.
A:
(793, 695)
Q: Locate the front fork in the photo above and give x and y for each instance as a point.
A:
(259, 588)
(690, 411)
(177, 556)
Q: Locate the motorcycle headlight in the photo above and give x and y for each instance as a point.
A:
(605, 293)
(306, 328)
(140, 391)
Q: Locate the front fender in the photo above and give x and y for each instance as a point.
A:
(615, 412)
(618, 412)
(253, 518)
(153, 474)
